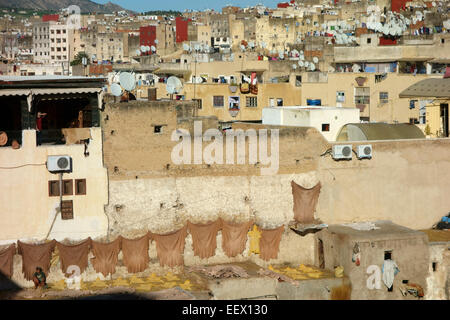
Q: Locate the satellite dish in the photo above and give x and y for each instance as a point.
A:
(116, 90)
(173, 85)
(127, 81)
(263, 44)
(251, 44)
(312, 66)
(301, 52)
(185, 47)
(156, 41)
(153, 48)
(306, 64)
(315, 60)
(392, 31)
(147, 48)
(294, 66)
(302, 57)
(138, 52)
(242, 47)
(301, 63)
(143, 48)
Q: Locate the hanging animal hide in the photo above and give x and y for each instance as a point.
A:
(204, 238)
(35, 255)
(270, 243)
(135, 253)
(6, 260)
(234, 237)
(305, 201)
(105, 256)
(170, 247)
(74, 255)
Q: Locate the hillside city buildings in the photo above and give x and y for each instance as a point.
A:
(351, 97)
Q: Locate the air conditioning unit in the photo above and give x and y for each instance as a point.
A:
(342, 151)
(364, 151)
(58, 164)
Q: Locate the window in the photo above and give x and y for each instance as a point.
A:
(80, 186)
(53, 188)
(218, 101)
(251, 101)
(279, 102)
(369, 40)
(434, 266)
(340, 96)
(413, 121)
(362, 95)
(325, 127)
(442, 40)
(412, 104)
(67, 187)
(384, 97)
(199, 103)
(272, 102)
(157, 129)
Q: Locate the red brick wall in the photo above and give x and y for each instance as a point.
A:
(147, 35)
(50, 17)
(182, 29)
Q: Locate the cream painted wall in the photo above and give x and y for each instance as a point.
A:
(27, 211)
(396, 109)
(290, 93)
(312, 117)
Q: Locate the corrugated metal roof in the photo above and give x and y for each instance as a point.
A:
(26, 92)
(379, 131)
(44, 78)
(436, 88)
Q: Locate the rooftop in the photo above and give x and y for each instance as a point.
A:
(387, 231)
(436, 88)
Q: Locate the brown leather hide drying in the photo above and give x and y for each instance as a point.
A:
(105, 256)
(35, 255)
(135, 253)
(305, 201)
(270, 243)
(6, 260)
(234, 237)
(76, 255)
(204, 238)
(170, 247)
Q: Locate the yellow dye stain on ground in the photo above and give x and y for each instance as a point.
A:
(302, 272)
(97, 284)
(154, 278)
(171, 277)
(187, 285)
(136, 280)
(59, 285)
(151, 283)
(120, 282)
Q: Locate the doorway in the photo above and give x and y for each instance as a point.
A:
(321, 255)
(444, 119)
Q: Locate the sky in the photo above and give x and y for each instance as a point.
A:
(181, 5)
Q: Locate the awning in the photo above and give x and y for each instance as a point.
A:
(65, 91)
(14, 92)
(435, 88)
(29, 93)
(172, 71)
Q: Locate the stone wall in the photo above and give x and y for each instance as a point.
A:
(403, 182)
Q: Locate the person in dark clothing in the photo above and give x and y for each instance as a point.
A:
(39, 278)
(39, 117)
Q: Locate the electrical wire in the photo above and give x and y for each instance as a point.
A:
(326, 152)
(24, 165)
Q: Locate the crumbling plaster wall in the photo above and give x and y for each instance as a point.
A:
(149, 192)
